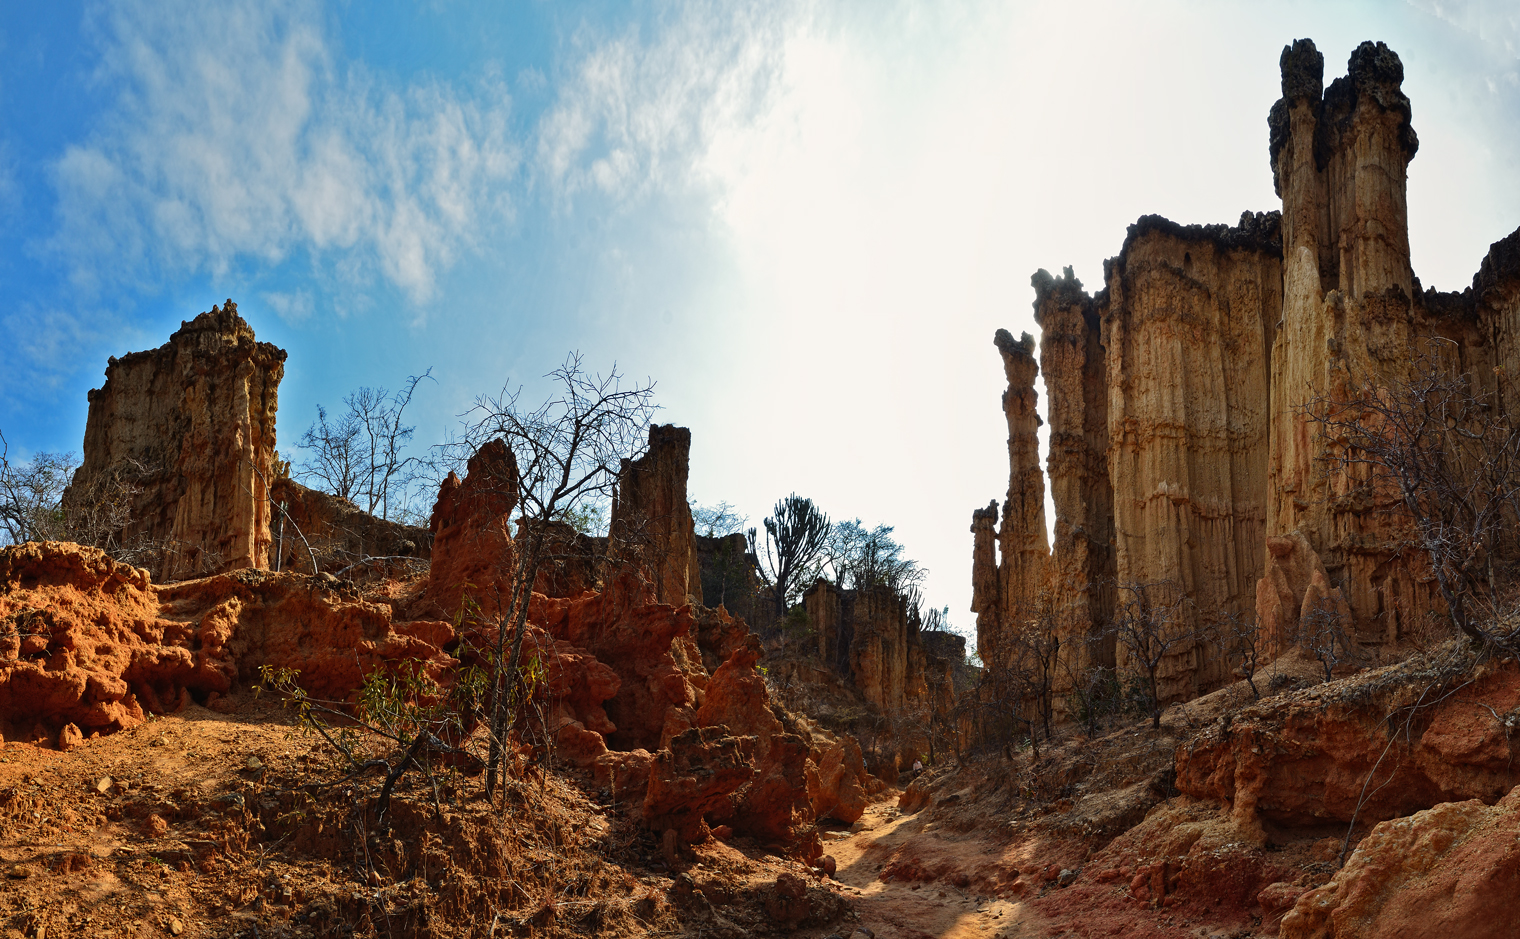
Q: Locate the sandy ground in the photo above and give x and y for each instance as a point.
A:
(898, 909)
(97, 840)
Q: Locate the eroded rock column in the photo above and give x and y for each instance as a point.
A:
(187, 433)
(651, 519)
(1184, 325)
(1340, 162)
(1080, 582)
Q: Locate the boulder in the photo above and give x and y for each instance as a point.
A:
(838, 786)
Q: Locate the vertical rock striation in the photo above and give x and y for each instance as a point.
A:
(1180, 446)
(1340, 164)
(1183, 325)
(189, 428)
(1079, 596)
(1022, 540)
(868, 637)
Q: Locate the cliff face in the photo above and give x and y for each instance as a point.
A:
(1180, 447)
(728, 574)
(1183, 325)
(1079, 594)
(866, 637)
(863, 636)
(190, 429)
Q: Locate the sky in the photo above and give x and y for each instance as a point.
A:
(803, 220)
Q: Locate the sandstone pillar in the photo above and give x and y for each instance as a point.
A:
(1348, 318)
(651, 519)
(1022, 541)
(187, 432)
(1080, 582)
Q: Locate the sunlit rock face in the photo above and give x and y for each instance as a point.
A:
(190, 427)
(1180, 449)
(1182, 331)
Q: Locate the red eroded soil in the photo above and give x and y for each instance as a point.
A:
(209, 824)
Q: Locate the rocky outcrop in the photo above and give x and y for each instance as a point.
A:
(1377, 746)
(184, 436)
(633, 678)
(472, 544)
(1180, 444)
(651, 646)
(663, 702)
(89, 641)
(651, 522)
(693, 778)
(1451, 870)
(317, 532)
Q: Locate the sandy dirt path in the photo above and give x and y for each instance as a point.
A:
(897, 909)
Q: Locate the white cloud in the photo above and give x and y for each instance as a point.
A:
(292, 307)
(237, 137)
(630, 115)
(44, 344)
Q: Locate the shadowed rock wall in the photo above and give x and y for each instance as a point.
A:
(651, 519)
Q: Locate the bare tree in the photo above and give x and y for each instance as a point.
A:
(795, 536)
(1150, 622)
(717, 521)
(1036, 647)
(1322, 631)
(31, 495)
(867, 557)
(100, 514)
(1244, 644)
(1093, 694)
(1441, 449)
(358, 456)
(1000, 704)
(566, 451)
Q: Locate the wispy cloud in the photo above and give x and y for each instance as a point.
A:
(1496, 22)
(236, 138)
(292, 307)
(44, 344)
(636, 112)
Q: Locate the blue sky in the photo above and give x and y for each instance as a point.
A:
(804, 220)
